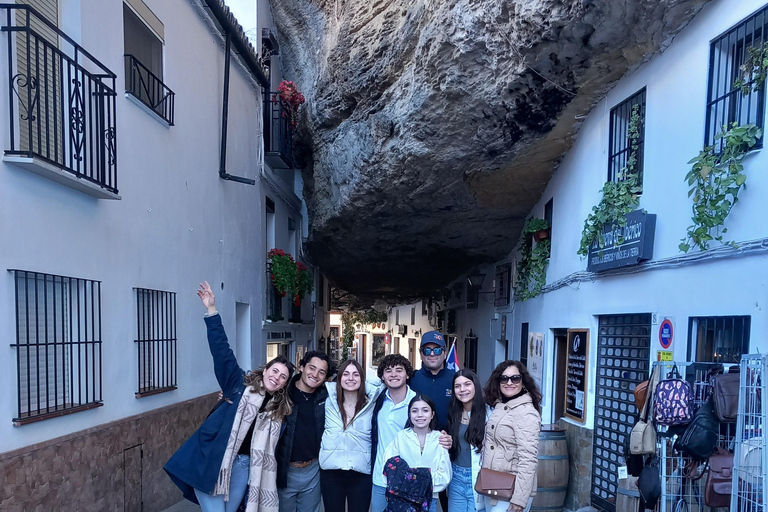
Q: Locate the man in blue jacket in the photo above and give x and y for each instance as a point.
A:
(434, 379)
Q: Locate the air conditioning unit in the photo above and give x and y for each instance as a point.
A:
(402, 330)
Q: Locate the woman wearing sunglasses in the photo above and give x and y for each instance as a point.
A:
(512, 433)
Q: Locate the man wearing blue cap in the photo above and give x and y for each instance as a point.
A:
(434, 379)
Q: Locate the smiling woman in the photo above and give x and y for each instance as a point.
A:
(238, 438)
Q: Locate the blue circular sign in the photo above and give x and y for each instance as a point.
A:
(666, 332)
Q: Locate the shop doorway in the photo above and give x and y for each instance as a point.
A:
(623, 359)
(560, 363)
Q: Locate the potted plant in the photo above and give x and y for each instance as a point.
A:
(303, 282)
(291, 99)
(283, 270)
(539, 228)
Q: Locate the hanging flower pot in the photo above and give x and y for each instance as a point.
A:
(541, 235)
(283, 270)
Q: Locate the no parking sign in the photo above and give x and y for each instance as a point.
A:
(666, 333)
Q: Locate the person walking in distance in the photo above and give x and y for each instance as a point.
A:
(234, 449)
(345, 451)
(298, 470)
(512, 433)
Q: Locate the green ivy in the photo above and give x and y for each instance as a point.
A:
(618, 198)
(532, 267)
(716, 178)
(753, 72)
(349, 319)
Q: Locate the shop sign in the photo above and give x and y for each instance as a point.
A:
(624, 245)
(576, 373)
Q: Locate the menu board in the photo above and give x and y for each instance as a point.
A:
(576, 373)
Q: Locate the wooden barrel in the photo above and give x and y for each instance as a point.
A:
(552, 471)
(627, 495)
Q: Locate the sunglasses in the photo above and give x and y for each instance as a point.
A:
(514, 379)
(430, 351)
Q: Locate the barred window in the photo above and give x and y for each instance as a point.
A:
(58, 345)
(727, 54)
(156, 341)
(619, 144)
(718, 339)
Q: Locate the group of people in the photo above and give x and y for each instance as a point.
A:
(279, 442)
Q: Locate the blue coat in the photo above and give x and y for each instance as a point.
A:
(196, 464)
(437, 387)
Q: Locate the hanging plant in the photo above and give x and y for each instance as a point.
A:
(291, 99)
(532, 267)
(283, 270)
(304, 282)
(618, 198)
(716, 179)
(753, 72)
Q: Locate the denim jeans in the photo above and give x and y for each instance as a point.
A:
(238, 483)
(378, 498)
(460, 495)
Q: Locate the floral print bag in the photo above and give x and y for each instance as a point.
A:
(672, 401)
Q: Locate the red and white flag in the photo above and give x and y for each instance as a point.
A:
(452, 359)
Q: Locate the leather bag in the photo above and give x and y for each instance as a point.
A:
(672, 400)
(641, 394)
(701, 435)
(725, 394)
(717, 491)
(496, 484)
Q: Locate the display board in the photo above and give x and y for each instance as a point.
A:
(576, 381)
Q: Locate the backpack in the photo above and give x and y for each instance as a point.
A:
(725, 392)
(717, 491)
(701, 435)
(672, 400)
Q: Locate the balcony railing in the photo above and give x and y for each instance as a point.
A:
(278, 133)
(61, 100)
(149, 89)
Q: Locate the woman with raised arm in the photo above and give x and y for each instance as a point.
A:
(234, 448)
(512, 433)
(345, 451)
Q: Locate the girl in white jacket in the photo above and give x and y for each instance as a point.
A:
(345, 450)
(420, 447)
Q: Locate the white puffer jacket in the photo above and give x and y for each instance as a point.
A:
(348, 449)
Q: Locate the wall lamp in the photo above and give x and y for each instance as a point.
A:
(476, 280)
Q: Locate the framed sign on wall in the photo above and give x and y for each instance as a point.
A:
(576, 371)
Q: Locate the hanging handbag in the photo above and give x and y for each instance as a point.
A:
(496, 484)
(717, 491)
(649, 484)
(672, 400)
(642, 438)
(725, 392)
(634, 462)
(701, 436)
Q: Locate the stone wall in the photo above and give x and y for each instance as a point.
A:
(580, 455)
(102, 468)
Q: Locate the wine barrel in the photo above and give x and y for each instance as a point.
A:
(552, 471)
(627, 495)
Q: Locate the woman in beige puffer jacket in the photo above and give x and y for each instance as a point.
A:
(512, 433)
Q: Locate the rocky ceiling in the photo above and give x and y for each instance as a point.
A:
(432, 126)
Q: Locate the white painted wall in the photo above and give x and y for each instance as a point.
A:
(177, 223)
(676, 83)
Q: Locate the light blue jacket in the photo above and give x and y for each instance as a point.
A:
(350, 448)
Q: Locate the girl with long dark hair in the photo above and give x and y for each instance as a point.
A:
(466, 425)
(234, 449)
(345, 451)
(512, 433)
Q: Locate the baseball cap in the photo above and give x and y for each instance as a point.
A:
(432, 337)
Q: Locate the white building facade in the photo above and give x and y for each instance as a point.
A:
(138, 162)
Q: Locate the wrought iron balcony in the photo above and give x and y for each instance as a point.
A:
(145, 86)
(61, 105)
(278, 133)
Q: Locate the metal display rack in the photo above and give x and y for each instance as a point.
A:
(750, 461)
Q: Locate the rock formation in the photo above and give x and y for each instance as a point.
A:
(432, 126)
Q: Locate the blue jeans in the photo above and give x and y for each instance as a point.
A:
(460, 495)
(302, 490)
(378, 498)
(238, 483)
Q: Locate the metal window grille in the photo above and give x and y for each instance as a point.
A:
(727, 53)
(718, 339)
(156, 341)
(58, 345)
(274, 298)
(619, 148)
(62, 106)
(278, 132)
(413, 316)
(750, 460)
(502, 287)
